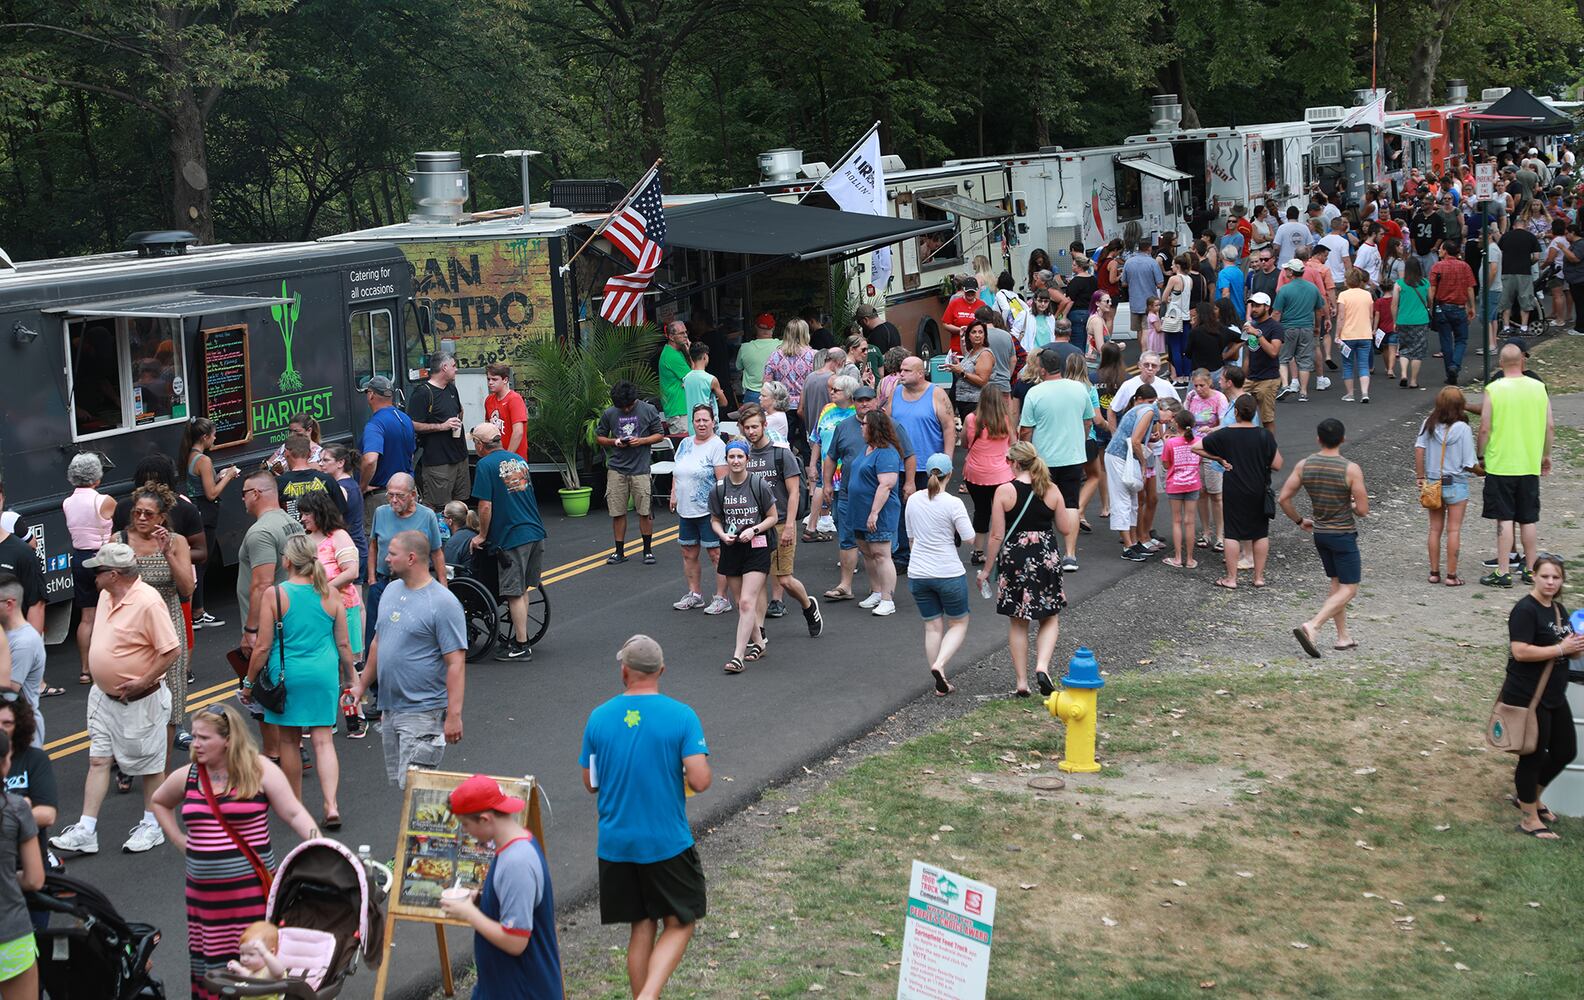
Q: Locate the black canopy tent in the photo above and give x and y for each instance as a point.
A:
(1520, 113)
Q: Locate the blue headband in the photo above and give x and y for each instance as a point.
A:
(740, 445)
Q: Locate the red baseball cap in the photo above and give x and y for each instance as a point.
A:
(479, 794)
(765, 320)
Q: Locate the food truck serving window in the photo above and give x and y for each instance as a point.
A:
(373, 345)
(126, 372)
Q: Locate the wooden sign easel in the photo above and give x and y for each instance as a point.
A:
(431, 850)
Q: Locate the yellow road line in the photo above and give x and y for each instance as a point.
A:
(201, 699)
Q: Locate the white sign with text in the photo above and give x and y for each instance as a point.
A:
(946, 942)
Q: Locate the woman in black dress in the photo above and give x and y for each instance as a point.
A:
(1249, 455)
(1539, 635)
(1030, 517)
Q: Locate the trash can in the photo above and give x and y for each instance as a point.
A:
(1565, 796)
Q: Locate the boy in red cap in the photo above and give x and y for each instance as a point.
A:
(513, 915)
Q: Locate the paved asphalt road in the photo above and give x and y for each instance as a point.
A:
(808, 696)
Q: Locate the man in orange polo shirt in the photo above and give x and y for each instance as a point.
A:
(134, 643)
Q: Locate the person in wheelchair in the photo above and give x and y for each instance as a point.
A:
(463, 525)
(508, 521)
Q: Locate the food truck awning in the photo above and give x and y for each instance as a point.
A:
(965, 207)
(169, 305)
(1159, 171)
(1409, 132)
(753, 224)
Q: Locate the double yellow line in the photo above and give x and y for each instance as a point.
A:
(197, 700)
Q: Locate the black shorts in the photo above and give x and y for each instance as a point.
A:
(1512, 498)
(1091, 450)
(631, 892)
(741, 557)
(85, 588)
(1069, 479)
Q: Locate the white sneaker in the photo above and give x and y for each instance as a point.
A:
(1348, 398)
(718, 606)
(689, 601)
(884, 608)
(145, 837)
(1322, 383)
(827, 525)
(871, 601)
(76, 838)
(1575, 333)
(1292, 386)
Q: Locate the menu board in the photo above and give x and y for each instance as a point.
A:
(432, 851)
(227, 390)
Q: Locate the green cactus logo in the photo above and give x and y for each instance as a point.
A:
(285, 316)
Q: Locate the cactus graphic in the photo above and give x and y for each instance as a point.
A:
(285, 316)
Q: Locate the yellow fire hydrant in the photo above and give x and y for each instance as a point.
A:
(1076, 705)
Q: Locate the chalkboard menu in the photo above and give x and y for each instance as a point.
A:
(227, 392)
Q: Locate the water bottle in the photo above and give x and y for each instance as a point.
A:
(364, 854)
(985, 589)
(445, 531)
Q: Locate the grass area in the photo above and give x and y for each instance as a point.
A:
(1560, 361)
(1286, 831)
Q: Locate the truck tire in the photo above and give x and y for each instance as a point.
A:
(927, 340)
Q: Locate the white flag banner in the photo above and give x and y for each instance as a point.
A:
(1372, 113)
(857, 184)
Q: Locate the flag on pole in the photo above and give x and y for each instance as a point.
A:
(638, 232)
(1372, 113)
(857, 184)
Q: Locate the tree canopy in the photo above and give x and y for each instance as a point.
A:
(262, 120)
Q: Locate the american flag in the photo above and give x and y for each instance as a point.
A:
(639, 232)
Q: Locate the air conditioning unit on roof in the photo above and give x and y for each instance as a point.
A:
(892, 163)
(1494, 93)
(1325, 115)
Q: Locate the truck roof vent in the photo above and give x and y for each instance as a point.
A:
(586, 195)
(161, 242)
(780, 165)
(1457, 91)
(439, 187)
(1165, 113)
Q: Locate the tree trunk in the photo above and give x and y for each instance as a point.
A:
(652, 113)
(91, 160)
(190, 205)
(1174, 80)
(1427, 54)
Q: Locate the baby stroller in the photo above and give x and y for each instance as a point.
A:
(88, 951)
(329, 905)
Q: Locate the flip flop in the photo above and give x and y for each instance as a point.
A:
(1546, 815)
(1346, 645)
(1259, 584)
(84, 679)
(1173, 562)
(1302, 635)
(834, 594)
(734, 666)
(1022, 693)
(1543, 833)
(1084, 526)
(1224, 585)
(51, 692)
(1043, 680)
(1192, 565)
(942, 686)
(1202, 543)
(1220, 545)
(331, 822)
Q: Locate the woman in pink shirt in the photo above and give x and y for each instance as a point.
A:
(1182, 489)
(987, 432)
(88, 523)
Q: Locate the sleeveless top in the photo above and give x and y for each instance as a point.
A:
(1177, 308)
(209, 849)
(967, 392)
(1325, 480)
(195, 486)
(1038, 517)
(87, 529)
(918, 419)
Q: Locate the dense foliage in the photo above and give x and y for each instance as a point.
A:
(287, 119)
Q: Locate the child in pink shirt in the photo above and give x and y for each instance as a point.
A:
(1182, 489)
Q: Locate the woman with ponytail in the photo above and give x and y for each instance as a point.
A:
(317, 658)
(937, 522)
(1030, 516)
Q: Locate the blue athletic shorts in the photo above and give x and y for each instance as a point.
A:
(1339, 553)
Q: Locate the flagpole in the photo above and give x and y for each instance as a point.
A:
(850, 151)
(611, 217)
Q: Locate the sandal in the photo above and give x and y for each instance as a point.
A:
(84, 678)
(734, 666)
(1435, 577)
(1226, 584)
(1343, 646)
(51, 692)
(811, 536)
(978, 557)
(332, 821)
(754, 652)
(1546, 815)
(1306, 641)
(942, 686)
(1203, 542)
(1021, 693)
(1543, 833)
(1084, 526)
(1455, 581)
(837, 594)
(1220, 545)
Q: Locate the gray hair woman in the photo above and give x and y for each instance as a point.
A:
(88, 523)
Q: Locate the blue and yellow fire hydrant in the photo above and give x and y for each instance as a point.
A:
(1076, 705)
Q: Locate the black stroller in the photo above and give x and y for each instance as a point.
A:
(330, 907)
(88, 951)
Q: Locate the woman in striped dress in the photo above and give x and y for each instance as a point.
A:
(226, 885)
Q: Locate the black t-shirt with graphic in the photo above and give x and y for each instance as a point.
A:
(294, 485)
(1534, 623)
(740, 505)
(775, 465)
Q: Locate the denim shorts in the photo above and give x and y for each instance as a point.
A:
(1458, 492)
(697, 531)
(934, 597)
(1339, 554)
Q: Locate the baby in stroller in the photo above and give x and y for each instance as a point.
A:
(256, 953)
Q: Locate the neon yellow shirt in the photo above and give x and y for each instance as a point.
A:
(1516, 410)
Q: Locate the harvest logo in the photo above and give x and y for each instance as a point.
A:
(285, 317)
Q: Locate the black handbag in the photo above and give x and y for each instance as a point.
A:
(268, 691)
(1270, 504)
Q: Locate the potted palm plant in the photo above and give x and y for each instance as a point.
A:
(570, 382)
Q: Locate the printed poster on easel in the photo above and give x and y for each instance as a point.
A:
(433, 854)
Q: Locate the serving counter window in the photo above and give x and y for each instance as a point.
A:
(125, 373)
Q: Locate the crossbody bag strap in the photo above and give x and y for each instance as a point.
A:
(280, 632)
(247, 850)
(995, 566)
(1545, 675)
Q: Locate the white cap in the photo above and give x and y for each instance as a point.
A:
(1260, 298)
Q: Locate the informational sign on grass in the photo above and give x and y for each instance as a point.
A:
(946, 942)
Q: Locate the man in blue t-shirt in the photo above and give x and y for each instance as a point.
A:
(509, 520)
(389, 441)
(642, 754)
(513, 913)
(1230, 280)
(402, 513)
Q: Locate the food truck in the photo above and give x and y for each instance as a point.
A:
(111, 354)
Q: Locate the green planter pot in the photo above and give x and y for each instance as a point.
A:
(575, 503)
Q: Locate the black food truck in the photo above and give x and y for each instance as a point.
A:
(112, 353)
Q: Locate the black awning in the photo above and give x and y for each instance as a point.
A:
(170, 305)
(753, 224)
(1520, 113)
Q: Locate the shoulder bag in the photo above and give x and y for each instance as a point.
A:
(246, 848)
(1430, 489)
(1512, 728)
(270, 691)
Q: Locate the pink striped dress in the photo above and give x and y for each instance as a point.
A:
(223, 892)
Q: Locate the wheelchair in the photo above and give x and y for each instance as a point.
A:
(488, 618)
